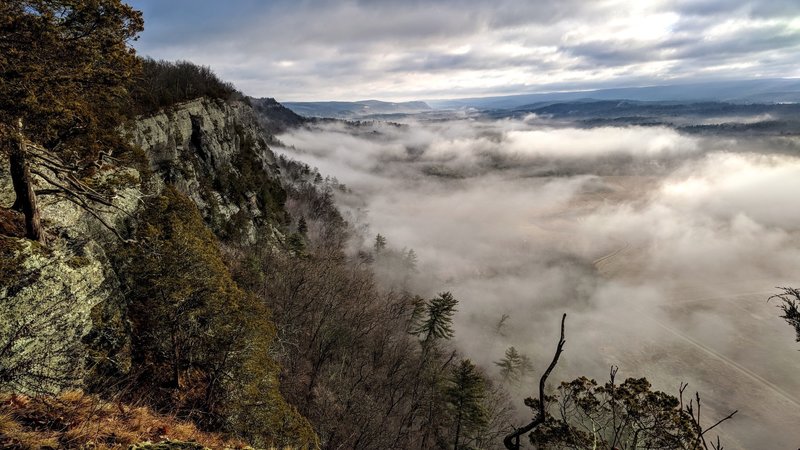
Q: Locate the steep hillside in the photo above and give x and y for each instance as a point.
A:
(216, 153)
(275, 117)
(71, 309)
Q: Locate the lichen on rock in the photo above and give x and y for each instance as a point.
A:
(216, 153)
(46, 311)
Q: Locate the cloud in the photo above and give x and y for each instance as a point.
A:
(661, 247)
(315, 50)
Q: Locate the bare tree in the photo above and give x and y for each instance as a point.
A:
(512, 440)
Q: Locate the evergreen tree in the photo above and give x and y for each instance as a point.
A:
(302, 226)
(295, 243)
(65, 66)
(514, 365)
(201, 344)
(501, 324)
(790, 307)
(465, 394)
(438, 318)
(410, 260)
(380, 243)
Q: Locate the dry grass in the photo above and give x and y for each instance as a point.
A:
(77, 420)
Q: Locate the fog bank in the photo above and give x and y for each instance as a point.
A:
(661, 247)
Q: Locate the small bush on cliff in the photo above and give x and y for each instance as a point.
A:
(197, 335)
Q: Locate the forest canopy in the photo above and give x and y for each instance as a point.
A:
(163, 84)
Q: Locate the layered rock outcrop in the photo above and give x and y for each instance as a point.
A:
(55, 299)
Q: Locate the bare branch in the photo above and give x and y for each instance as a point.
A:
(511, 441)
(728, 417)
(695, 416)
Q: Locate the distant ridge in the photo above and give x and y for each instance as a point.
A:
(773, 90)
(359, 109)
(273, 116)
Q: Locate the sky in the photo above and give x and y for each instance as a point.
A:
(302, 50)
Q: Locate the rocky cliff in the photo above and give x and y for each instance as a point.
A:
(215, 152)
(56, 300)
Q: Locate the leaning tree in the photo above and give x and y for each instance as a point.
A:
(64, 70)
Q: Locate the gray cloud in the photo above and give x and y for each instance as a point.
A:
(354, 49)
(768, 9)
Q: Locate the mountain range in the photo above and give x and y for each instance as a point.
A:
(738, 92)
(352, 110)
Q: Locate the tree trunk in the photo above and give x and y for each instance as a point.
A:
(176, 357)
(458, 426)
(23, 188)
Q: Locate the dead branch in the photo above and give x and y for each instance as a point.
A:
(729, 416)
(77, 189)
(86, 207)
(511, 441)
(694, 414)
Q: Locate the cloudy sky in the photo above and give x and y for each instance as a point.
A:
(399, 50)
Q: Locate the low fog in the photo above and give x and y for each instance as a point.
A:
(662, 248)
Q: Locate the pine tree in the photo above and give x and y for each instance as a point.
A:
(465, 394)
(295, 243)
(410, 260)
(790, 306)
(380, 243)
(302, 226)
(514, 365)
(438, 319)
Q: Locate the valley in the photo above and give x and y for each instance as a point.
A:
(662, 258)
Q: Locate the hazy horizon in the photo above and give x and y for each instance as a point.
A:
(676, 84)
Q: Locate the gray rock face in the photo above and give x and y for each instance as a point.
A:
(199, 146)
(52, 301)
(46, 311)
(49, 294)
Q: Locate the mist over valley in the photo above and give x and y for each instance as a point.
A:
(661, 246)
